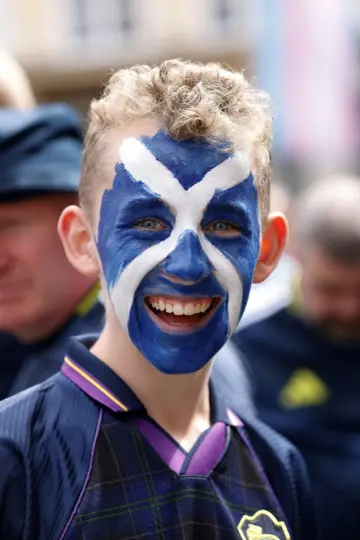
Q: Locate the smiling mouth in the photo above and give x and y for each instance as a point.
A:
(178, 314)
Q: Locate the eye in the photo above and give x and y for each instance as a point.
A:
(150, 224)
(223, 228)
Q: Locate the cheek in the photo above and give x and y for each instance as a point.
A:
(243, 255)
(121, 248)
(37, 247)
(317, 302)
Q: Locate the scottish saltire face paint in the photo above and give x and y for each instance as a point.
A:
(178, 239)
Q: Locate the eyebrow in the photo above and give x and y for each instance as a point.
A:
(237, 208)
(147, 203)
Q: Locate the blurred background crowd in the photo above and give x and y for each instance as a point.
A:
(299, 341)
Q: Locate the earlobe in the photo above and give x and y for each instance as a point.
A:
(272, 246)
(77, 241)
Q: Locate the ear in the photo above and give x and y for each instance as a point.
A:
(272, 246)
(77, 239)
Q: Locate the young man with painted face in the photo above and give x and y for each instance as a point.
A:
(135, 439)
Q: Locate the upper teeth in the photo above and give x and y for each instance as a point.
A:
(185, 308)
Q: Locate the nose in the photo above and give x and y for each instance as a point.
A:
(187, 262)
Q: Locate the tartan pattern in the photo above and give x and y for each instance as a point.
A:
(132, 494)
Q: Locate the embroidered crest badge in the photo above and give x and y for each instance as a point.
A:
(262, 526)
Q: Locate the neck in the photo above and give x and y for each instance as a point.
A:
(180, 404)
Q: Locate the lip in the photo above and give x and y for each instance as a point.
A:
(183, 328)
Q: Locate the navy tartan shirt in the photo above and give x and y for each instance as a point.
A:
(80, 458)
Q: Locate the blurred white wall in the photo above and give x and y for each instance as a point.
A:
(86, 34)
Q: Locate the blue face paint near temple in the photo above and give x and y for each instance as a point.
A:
(178, 239)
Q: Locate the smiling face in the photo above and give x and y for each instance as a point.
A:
(32, 260)
(178, 240)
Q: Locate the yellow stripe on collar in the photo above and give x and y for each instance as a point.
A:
(95, 383)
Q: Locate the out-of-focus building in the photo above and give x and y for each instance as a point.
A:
(69, 47)
(307, 57)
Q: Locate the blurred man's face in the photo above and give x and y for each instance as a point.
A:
(331, 293)
(35, 276)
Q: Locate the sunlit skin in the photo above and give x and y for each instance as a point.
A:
(38, 286)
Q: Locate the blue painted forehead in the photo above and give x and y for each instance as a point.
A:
(189, 161)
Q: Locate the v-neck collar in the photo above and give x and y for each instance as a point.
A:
(100, 383)
(96, 379)
(103, 385)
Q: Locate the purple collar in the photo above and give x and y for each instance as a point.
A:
(99, 382)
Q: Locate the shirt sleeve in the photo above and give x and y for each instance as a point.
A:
(12, 493)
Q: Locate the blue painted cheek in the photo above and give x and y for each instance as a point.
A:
(242, 251)
(119, 242)
(188, 262)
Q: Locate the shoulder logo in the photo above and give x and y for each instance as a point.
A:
(304, 389)
(262, 526)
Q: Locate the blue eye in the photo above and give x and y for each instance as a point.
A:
(223, 228)
(150, 224)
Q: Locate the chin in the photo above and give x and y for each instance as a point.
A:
(177, 351)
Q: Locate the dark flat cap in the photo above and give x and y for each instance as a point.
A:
(40, 150)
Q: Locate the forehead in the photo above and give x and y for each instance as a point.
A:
(184, 176)
(188, 161)
(38, 206)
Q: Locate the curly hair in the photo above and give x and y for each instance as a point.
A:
(190, 101)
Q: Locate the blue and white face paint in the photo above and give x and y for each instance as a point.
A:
(178, 240)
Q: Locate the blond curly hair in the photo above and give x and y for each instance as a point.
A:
(190, 101)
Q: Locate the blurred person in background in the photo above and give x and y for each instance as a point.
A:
(43, 299)
(302, 347)
(16, 93)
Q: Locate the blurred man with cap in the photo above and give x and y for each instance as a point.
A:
(43, 299)
(15, 93)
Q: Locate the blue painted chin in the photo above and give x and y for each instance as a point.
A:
(181, 350)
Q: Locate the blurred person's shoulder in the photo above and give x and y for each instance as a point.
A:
(231, 374)
(273, 295)
(232, 368)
